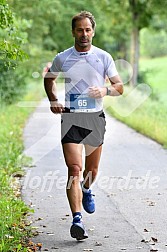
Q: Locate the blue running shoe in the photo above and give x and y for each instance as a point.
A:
(88, 202)
(77, 229)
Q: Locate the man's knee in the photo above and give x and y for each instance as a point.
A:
(73, 175)
(74, 170)
(91, 171)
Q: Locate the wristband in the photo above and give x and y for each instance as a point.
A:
(52, 102)
(108, 91)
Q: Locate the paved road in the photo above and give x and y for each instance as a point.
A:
(130, 190)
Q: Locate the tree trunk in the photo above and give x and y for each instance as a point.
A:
(135, 54)
(135, 40)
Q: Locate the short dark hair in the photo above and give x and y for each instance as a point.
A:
(82, 15)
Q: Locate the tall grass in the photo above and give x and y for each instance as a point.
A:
(13, 209)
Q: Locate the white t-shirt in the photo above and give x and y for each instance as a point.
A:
(82, 70)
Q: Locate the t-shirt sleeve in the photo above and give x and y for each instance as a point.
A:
(56, 66)
(110, 68)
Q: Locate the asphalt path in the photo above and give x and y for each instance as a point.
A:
(130, 190)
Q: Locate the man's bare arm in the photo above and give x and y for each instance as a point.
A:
(115, 89)
(50, 88)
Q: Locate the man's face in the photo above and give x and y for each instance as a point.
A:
(83, 33)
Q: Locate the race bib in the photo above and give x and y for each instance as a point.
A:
(81, 103)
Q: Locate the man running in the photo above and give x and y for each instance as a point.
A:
(85, 68)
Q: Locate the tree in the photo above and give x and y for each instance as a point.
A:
(142, 13)
(10, 42)
(12, 37)
(118, 24)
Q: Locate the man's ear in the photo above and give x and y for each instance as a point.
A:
(93, 33)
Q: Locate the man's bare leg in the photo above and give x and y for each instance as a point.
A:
(73, 157)
(92, 160)
(90, 173)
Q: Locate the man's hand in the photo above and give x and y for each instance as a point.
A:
(56, 107)
(97, 92)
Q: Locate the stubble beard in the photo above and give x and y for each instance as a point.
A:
(83, 45)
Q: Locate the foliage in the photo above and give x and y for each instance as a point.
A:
(6, 16)
(11, 39)
(156, 76)
(150, 118)
(13, 230)
(52, 23)
(12, 208)
(141, 12)
(13, 84)
(157, 40)
(142, 76)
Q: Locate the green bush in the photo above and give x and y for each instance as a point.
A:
(12, 83)
(13, 229)
(153, 43)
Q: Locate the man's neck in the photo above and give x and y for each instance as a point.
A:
(82, 49)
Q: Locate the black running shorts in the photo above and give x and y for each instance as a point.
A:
(84, 128)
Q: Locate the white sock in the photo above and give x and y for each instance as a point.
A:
(85, 190)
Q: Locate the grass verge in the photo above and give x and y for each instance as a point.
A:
(150, 118)
(13, 230)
